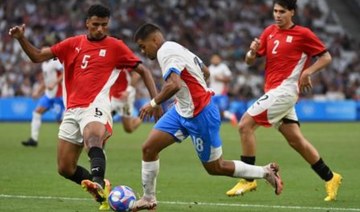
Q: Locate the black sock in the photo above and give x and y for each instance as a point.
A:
(248, 160)
(97, 164)
(322, 170)
(80, 174)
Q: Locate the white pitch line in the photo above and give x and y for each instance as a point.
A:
(195, 203)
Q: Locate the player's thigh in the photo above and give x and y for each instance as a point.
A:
(95, 121)
(157, 141)
(69, 129)
(272, 107)
(170, 123)
(204, 130)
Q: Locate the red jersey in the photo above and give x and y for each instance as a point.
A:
(121, 84)
(288, 52)
(90, 68)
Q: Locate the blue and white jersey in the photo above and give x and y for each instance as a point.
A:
(51, 71)
(194, 94)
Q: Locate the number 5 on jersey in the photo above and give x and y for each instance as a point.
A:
(85, 61)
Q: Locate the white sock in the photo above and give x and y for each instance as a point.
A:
(35, 125)
(228, 114)
(243, 170)
(149, 172)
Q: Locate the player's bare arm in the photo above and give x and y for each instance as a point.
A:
(36, 55)
(148, 79)
(171, 86)
(251, 54)
(150, 85)
(305, 84)
(206, 72)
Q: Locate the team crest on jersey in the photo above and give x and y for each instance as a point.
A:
(289, 39)
(102, 52)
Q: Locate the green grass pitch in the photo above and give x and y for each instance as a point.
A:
(29, 179)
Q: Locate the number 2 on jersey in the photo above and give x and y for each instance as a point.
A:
(276, 45)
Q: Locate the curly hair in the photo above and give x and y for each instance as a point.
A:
(98, 10)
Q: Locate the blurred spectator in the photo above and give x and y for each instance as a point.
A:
(223, 26)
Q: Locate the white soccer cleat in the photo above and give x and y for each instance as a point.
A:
(144, 203)
(273, 177)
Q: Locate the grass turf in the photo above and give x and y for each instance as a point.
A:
(29, 179)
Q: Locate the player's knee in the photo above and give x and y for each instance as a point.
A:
(148, 151)
(244, 128)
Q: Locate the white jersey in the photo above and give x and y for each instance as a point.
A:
(194, 94)
(220, 70)
(51, 70)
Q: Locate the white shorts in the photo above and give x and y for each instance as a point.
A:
(124, 107)
(75, 120)
(273, 107)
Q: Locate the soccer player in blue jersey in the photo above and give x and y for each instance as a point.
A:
(194, 114)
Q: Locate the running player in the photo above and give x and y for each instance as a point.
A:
(219, 80)
(194, 114)
(288, 49)
(123, 95)
(52, 75)
(91, 65)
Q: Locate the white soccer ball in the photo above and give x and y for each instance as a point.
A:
(122, 198)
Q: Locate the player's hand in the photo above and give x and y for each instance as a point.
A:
(254, 46)
(305, 84)
(17, 31)
(146, 112)
(158, 112)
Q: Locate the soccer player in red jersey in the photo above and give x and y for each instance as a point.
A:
(92, 63)
(123, 95)
(288, 49)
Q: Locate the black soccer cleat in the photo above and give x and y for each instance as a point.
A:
(30, 143)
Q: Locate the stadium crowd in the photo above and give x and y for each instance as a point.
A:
(225, 27)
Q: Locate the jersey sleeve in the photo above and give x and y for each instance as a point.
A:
(127, 58)
(313, 46)
(61, 49)
(169, 62)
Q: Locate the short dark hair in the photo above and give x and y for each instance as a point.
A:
(98, 10)
(145, 30)
(288, 4)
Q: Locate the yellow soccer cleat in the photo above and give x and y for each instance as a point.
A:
(100, 195)
(242, 187)
(332, 187)
(104, 205)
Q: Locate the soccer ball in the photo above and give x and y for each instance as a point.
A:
(121, 198)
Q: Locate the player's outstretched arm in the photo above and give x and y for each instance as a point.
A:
(36, 55)
(150, 85)
(171, 86)
(305, 84)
